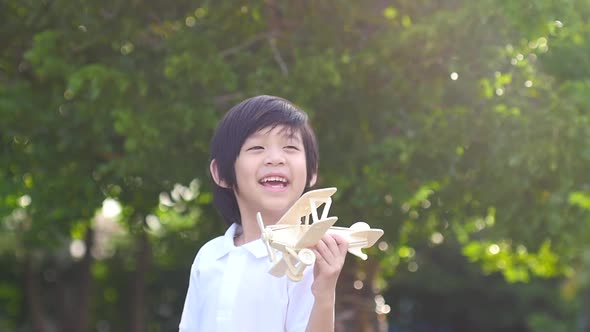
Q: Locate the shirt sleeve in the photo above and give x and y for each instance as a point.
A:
(189, 319)
(300, 303)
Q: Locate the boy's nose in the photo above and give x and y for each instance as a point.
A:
(275, 157)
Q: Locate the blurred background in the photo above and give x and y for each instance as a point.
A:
(462, 128)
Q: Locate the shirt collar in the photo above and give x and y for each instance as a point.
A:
(256, 248)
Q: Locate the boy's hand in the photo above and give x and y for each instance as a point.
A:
(330, 255)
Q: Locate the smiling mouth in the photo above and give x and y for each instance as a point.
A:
(274, 182)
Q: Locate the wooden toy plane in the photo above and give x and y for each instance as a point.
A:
(293, 236)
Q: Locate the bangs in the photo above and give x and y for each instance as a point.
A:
(286, 131)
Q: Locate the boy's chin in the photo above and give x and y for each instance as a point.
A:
(276, 208)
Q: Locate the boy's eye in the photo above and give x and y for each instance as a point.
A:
(257, 147)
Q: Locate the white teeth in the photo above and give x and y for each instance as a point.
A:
(274, 179)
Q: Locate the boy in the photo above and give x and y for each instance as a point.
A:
(263, 157)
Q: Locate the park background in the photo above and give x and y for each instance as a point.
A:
(460, 127)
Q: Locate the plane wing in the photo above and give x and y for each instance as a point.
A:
(315, 233)
(302, 207)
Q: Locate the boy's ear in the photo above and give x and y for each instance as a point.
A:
(215, 174)
(314, 178)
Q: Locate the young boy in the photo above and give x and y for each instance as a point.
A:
(263, 157)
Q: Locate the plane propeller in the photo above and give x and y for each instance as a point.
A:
(266, 236)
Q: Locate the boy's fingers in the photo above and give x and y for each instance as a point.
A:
(318, 257)
(325, 251)
(330, 242)
(341, 243)
(339, 240)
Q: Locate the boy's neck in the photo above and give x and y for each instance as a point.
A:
(250, 231)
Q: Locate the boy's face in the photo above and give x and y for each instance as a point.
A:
(271, 172)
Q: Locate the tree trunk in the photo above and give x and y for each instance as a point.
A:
(138, 307)
(82, 311)
(356, 307)
(64, 303)
(584, 320)
(33, 297)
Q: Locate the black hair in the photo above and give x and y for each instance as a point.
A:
(241, 121)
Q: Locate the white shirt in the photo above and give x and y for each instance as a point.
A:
(230, 289)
